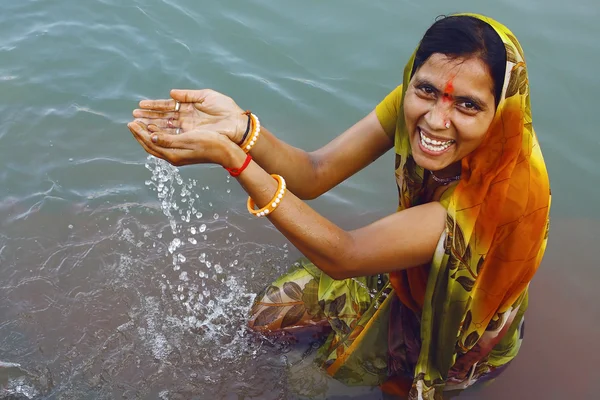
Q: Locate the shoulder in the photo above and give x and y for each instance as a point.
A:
(388, 110)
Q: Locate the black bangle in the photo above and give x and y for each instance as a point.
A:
(247, 131)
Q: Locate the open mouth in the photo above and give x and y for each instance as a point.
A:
(433, 145)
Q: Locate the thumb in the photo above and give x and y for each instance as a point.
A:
(190, 96)
(166, 140)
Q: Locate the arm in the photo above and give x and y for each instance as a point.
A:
(309, 175)
(402, 240)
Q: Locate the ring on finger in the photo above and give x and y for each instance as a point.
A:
(177, 105)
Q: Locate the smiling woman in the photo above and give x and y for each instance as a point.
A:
(447, 124)
(439, 288)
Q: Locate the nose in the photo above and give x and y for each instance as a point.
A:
(439, 114)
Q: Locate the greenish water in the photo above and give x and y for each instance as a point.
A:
(99, 300)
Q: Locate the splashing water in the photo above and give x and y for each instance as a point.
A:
(214, 303)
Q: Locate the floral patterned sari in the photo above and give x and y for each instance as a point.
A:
(444, 325)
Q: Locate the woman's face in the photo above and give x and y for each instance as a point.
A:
(449, 106)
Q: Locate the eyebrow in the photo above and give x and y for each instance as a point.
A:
(470, 99)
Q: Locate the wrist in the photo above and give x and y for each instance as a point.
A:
(234, 156)
(241, 127)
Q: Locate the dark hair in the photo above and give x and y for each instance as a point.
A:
(464, 36)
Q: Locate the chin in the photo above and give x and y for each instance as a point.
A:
(428, 164)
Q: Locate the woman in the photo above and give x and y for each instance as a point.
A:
(441, 305)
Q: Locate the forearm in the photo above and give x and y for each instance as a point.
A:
(297, 166)
(317, 238)
(311, 174)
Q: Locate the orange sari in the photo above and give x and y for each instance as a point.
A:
(473, 295)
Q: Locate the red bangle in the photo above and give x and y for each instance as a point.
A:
(237, 171)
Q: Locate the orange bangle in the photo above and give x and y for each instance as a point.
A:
(253, 136)
(271, 205)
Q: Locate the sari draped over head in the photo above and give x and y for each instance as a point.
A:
(457, 319)
(496, 233)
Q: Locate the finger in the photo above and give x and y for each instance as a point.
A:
(147, 140)
(158, 105)
(155, 122)
(138, 135)
(190, 96)
(154, 128)
(161, 123)
(165, 140)
(154, 113)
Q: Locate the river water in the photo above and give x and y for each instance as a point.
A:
(123, 277)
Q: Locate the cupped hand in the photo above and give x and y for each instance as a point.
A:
(206, 109)
(196, 146)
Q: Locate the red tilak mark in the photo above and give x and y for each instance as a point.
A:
(448, 90)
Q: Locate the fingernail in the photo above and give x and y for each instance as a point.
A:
(154, 138)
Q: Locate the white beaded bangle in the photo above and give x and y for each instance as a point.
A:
(253, 137)
(273, 203)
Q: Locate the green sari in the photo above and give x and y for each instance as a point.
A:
(448, 324)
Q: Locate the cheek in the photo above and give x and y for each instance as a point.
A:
(412, 110)
(473, 130)
(471, 136)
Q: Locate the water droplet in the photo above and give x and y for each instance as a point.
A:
(192, 241)
(210, 204)
(70, 226)
(193, 230)
(230, 234)
(202, 228)
(181, 257)
(218, 269)
(174, 245)
(228, 190)
(199, 215)
(216, 216)
(202, 257)
(184, 276)
(70, 159)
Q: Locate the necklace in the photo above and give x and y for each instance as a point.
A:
(444, 181)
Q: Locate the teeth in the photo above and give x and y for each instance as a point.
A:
(434, 145)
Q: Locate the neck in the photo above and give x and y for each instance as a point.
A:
(450, 171)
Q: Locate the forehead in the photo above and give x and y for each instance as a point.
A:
(467, 75)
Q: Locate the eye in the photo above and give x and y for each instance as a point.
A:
(427, 90)
(469, 106)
